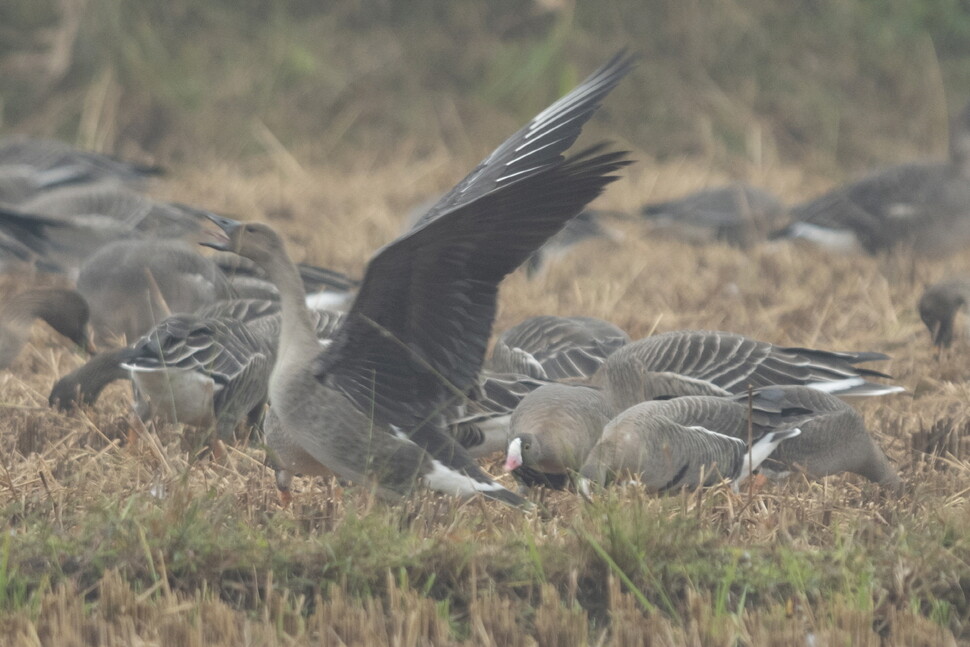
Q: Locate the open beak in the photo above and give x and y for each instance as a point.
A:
(514, 458)
(221, 237)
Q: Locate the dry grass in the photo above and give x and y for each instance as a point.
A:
(115, 540)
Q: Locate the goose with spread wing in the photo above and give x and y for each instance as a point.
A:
(369, 407)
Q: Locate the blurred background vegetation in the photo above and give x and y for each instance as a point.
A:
(835, 85)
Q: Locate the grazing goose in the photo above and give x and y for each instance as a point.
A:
(49, 154)
(481, 424)
(132, 285)
(939, 305)
(555, 348)
(368, 407)
(682, 443)
(70, 223)
(192, 350)
(738, 214)
(204, 372)
(19, 182)
(923, 205)
(64, 310)
(696, 362)
(834, 438)
(85, 384)
(552, 432)
(583, 227)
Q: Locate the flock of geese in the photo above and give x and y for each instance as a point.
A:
(389, 383)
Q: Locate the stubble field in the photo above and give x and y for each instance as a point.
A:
(114, 536)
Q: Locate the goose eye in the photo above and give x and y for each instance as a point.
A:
(526, 445)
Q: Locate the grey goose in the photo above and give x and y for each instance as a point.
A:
(554, 427)
(527, 356)
(480, 422)
(18, 182)
(132, 285)
(205, 372)
(51, 154)
(939, 305)
(549, 347)
(700, 362)
(69, 224)
(834, 437)
(687, 442)
(583, 227)
(201, 348)
(368, 407)
(925, 206)
(645, 439)
(738, 214)
(63, 310)
(552, 431)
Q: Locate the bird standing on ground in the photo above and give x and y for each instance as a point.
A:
(368, 407)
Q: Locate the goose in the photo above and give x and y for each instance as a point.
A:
(480, 423)
(699, 362)
(938, 307)
(922, 205)
(368, 407)
(549, 347)
(50, 154)
(687, 442)
(132, 285)
(585, 226)
(63, 310)
(834, 437)
(552, 431)
(205, 372)
(554, 427)
(19, 182)
(189, 351)
(738, 214)
(70, 223)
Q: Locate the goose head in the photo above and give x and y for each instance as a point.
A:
(253, 240)
(524, 449)
(65, 311)
(937, 309)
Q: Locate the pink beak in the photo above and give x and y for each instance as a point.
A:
(512, 462)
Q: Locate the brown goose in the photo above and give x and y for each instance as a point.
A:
(368, 407)
(64, 310)
(682, 443)
(939, 305)
(132, 285)
(696, 362)
(548, 347)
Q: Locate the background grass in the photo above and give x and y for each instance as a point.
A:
(331, 124)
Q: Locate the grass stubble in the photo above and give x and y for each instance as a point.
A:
(115, 539)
